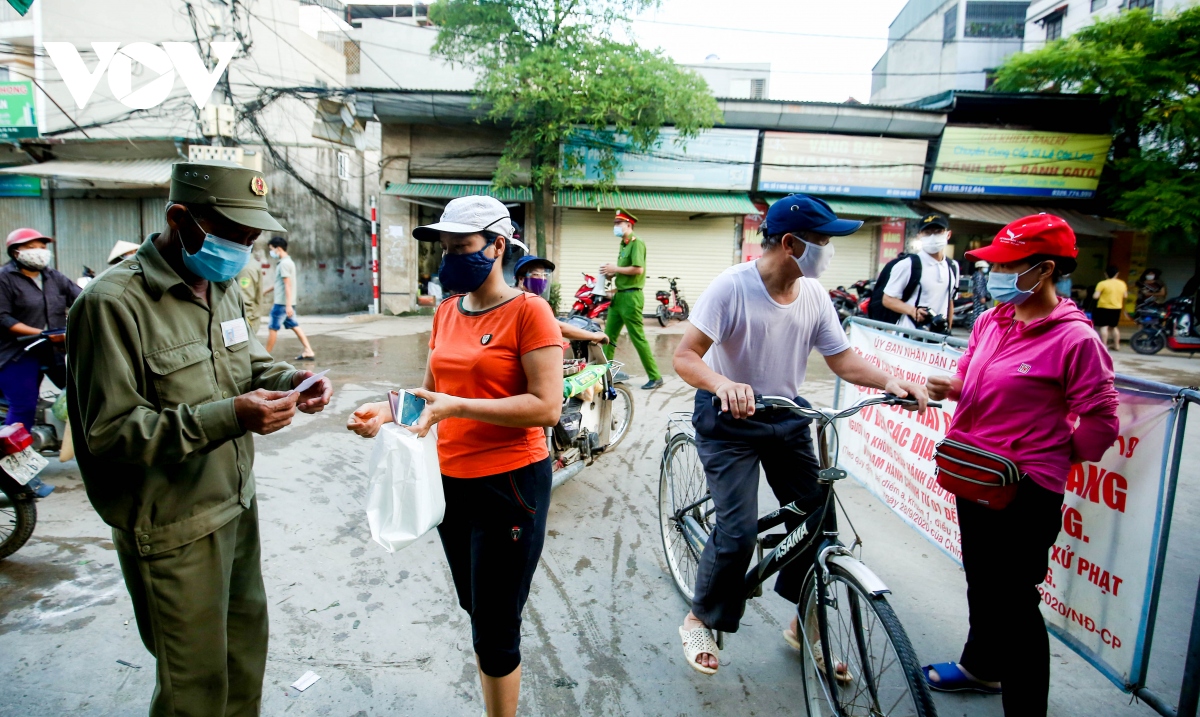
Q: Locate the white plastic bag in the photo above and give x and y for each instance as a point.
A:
(406, 499)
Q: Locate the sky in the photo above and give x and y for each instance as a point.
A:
(821, 51)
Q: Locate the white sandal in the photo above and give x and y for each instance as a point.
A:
(696, 642)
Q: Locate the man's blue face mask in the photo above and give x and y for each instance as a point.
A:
(218, 259)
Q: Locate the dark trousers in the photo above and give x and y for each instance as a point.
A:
(493, 534)
(20, 380)
(201, 610)
(731, 451)
(1005, 554)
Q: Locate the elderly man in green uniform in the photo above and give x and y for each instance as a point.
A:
(166, 385)
(628, 301)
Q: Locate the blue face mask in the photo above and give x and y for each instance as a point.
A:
(1003, 287)
(464, 273)
(218, 259)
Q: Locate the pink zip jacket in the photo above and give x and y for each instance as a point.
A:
(1041, 394)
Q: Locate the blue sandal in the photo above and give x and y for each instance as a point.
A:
(952, 679)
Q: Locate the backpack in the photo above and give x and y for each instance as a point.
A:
(877, 311)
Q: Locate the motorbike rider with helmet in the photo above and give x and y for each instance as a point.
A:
(532, 274)
(34, 299)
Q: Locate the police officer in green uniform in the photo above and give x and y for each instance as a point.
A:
(628, 301)
(166, 385)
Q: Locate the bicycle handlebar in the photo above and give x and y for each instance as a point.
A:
(764, 402)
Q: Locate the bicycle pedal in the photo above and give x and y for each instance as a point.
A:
(831, 474)
(771, 540)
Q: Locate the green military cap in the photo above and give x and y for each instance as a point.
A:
(233, 191)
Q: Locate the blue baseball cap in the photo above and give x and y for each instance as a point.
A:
(802, 213)
(526, 260)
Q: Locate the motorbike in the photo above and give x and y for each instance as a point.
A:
(665, 312)
(964, 312)
(844, 302)
(20, 487)
(1171, 325)
(592, 299)
(596, 411)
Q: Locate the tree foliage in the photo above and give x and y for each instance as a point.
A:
(548, 67)
(1147, 68)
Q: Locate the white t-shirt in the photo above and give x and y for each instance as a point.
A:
(760, 342)
(934, 291)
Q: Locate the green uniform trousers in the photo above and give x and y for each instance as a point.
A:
(626, 310)
(201, 610)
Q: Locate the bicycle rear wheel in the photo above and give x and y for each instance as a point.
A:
(681, 483)
(877, 669)
(622, 415)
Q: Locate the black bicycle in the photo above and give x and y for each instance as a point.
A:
(844, 616)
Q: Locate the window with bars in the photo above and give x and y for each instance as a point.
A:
(1053, 25)
(353, 54)
(1136, 4)
(758, 89)
(950, 24)
(995, 19)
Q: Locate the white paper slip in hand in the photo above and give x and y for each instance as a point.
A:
(306, 680)
(309, 382)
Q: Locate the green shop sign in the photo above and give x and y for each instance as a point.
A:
(16, 111)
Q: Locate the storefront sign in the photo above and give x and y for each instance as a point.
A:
(974, 160)
(16, 111)
(721, 159)
(16, 185)
(840, 164)
(891, 242)
(1098, 588)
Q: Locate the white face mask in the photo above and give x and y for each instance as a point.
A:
(274, 254)
(34, 259)
(618, 231)
(934, 243)
(815, 259)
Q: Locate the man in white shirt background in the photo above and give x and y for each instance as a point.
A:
(933, 293)
(751, 333)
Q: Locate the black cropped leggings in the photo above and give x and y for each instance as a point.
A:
(493, 534)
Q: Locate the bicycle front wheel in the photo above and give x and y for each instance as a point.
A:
(622, 415)
(681, 484)
(876, 673)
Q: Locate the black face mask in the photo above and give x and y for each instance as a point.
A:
(465, 272)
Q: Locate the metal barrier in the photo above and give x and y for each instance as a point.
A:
(1189, 695)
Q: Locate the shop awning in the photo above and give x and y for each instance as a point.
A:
(1001, 214)
(863, 207)
(690, 202)
(109, 174)
(438, 190)
(634, 201)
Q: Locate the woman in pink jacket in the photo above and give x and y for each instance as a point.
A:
(1035, 386)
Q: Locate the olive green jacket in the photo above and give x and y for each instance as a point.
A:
(150, 391)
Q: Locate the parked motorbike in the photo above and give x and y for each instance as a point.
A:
(20, 487)
(596, 411)
(1170, 325)
(592, 299)
(964, 312)
(665, 311)
(844, 302)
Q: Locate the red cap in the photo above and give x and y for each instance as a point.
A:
(624, 216)
(1035, 234)
(22, 236)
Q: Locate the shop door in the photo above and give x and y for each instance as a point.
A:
(695, 250)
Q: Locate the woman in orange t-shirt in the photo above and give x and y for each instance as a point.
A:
(493, 382)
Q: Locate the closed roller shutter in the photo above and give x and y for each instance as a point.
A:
(695, 250)
(852, 260)
(86, 230)
(17, 212)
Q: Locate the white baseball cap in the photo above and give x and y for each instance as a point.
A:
(468, 215)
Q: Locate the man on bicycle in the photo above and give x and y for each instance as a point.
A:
(751, 332)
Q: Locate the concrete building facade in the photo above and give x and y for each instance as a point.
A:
(104, 166)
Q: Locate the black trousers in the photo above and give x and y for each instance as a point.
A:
(1005, 555)
(493, 533)
(732, 451)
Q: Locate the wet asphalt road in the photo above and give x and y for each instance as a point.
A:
(384, 631)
